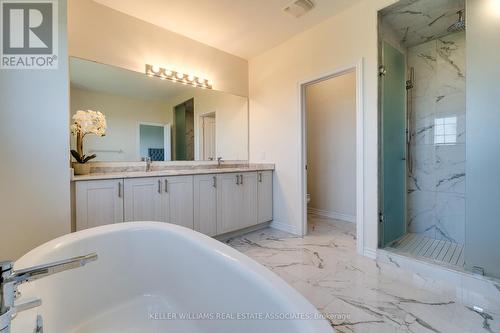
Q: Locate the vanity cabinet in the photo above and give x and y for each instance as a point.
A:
(205, 204)
(144, 199)
(99, 202)
(160, 199)
(178, 200)
(265, 196)
(213, 204)
(248, 187)
(236, 201)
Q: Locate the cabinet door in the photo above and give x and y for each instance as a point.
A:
(265, 196)
(98, 203)
(249, 206)
(178, 200)
(143, 199)
(229, 198)
(205, 204)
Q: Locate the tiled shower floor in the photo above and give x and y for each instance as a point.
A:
(441, 251)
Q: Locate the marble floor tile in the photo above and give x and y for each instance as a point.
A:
(358, 294)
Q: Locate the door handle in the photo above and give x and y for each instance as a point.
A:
(159, 186)
(166, 185)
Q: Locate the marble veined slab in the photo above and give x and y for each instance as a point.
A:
(177, 171)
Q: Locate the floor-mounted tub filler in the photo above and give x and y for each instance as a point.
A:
(157, 277)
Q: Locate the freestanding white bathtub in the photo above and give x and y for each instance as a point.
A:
(158, 277)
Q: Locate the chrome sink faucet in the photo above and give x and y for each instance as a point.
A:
(148, 163)
(10, 279)
(219, 161)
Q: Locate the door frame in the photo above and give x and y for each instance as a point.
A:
(360, 220)
(167, 141)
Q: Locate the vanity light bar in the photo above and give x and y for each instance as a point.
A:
(174, 76)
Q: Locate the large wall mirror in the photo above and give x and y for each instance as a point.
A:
(160, 119)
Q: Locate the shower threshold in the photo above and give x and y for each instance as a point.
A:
(437, 250)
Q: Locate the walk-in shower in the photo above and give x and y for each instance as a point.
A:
(422, 130)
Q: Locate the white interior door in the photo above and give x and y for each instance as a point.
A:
(209, 138)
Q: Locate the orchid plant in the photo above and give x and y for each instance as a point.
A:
(86, 122)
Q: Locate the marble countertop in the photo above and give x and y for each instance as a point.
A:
(175, 172)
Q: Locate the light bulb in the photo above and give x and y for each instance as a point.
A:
(495, 6)
(179, 76)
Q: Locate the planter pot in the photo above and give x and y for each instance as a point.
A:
(81, 168)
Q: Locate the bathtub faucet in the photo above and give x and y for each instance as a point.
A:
(10, 279)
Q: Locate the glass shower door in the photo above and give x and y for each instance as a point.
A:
(393, 149)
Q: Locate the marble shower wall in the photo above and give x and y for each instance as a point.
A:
(436, 186)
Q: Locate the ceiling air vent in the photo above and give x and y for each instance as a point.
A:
(298, 8)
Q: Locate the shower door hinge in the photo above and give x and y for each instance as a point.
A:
(382, 71)
(381, 218)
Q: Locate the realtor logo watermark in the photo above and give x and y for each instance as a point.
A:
(28, 37)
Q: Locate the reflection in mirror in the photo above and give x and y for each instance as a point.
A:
(184, 131)
(163, 120)
(154, 141)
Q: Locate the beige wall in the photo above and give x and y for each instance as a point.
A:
(331, 146)
(275, 112)
(34, 149)
(123, 115)
(231, 121)
(104, 35)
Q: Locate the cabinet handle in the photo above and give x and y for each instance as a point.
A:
(241, 179)
(159, 186)
(119, 190)
(166, 185)
(237, 179)
(215, 181)
(260, 177)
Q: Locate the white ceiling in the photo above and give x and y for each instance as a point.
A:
(244, 28)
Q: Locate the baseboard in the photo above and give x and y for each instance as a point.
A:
(241, 232)
(285, 227)
(370, 253)
(333, 215)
